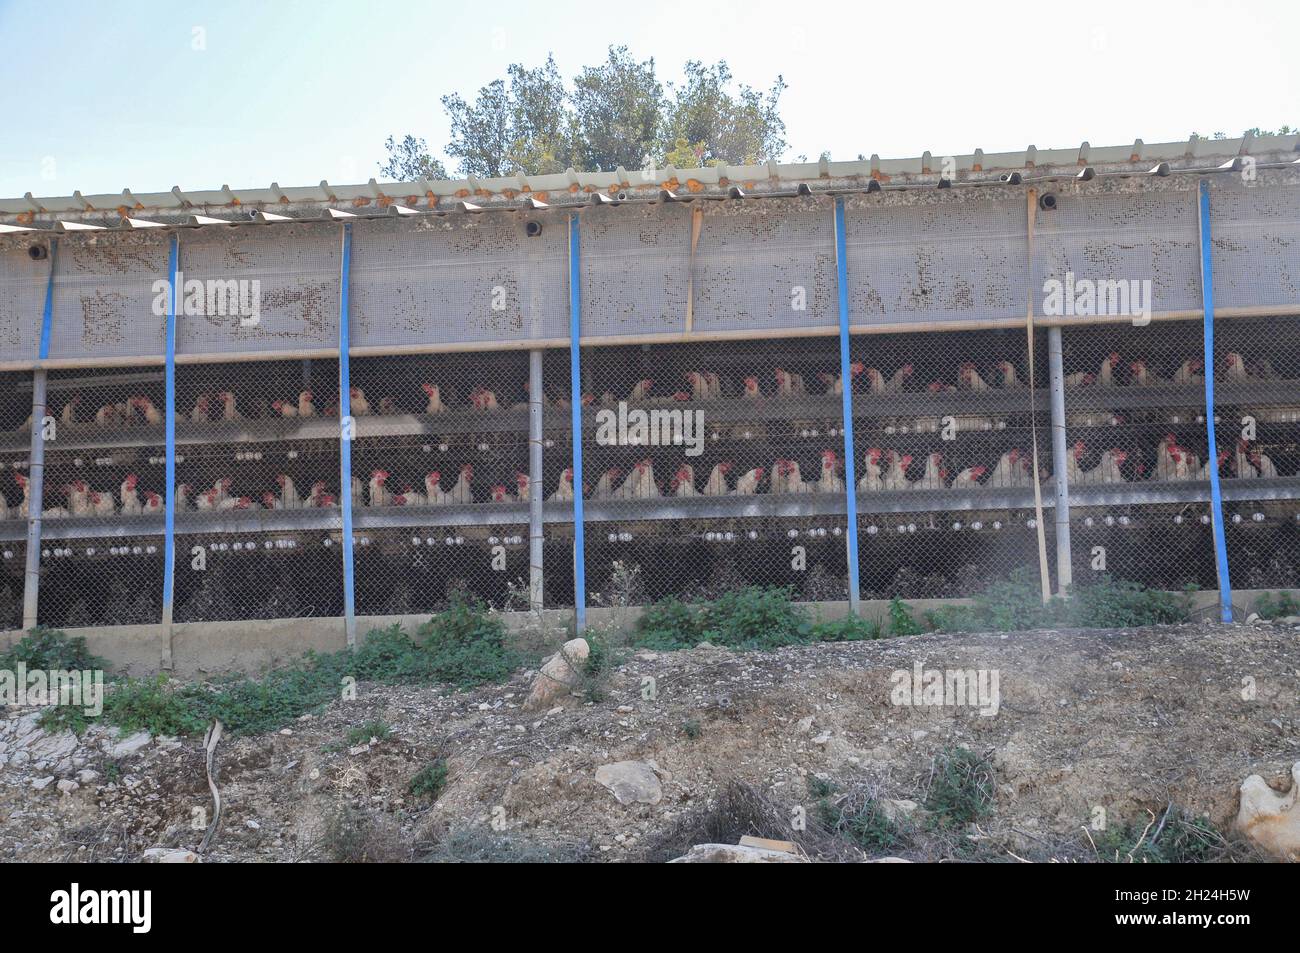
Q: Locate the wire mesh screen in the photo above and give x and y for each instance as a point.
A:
(1257, 405)
(1097, 245)
(257, 467)
(765, 265)
(259, 288)
(459, 278)
(635, 268)
(440, 479)
(713, 466)
(943, 431)
(956, 256)
(15, 447)
(23, 280)
(107, 300)
(1256, 231)
(102, 514)
(1139, 477)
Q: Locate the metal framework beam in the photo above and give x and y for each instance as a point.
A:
(575, 404)
(169, 422)
(36, 460)
(1060, 451)
(536, 488)
(846, 387)
(1216, 497)
(345, 444)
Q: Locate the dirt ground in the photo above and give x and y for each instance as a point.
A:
(1125, 720)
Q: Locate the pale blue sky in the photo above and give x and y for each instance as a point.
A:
(101, 97)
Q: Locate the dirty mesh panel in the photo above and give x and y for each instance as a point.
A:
(1128, 236)
(1135, 425)
(1257, 405)
(296, 298)
(950, 259)
(459, 278)
(258, 527)
(15, 451)
(1256, 246)
(701, 516)
(22, 301)
(765, 266)
(635, 269)
(944, 440)
(104, 296)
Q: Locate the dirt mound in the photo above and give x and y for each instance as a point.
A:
(1123, 722)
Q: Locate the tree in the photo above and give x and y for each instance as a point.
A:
(742, 129)
(409, 160)
(617, 110)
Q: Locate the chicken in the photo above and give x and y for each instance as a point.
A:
(284, 408)
(871, 472)
(435, 404)
(523, 487)
(829, 481)
(835, 384)
(22, 509)
(69, 413)
(969, 478)
(895, 477)
(1140, 376)
(499, 494)
(288, 493)
(1106, 373)
(481, 398)
(153, 502)
(462, 492)
(791, 478)
(1010, 379)
(1080, 379)
(1187, 372)
(410, 496)
(683, 481)
(752, 391)
(1012, 470)
(639, 484)
(640, 391)
(434, 494)
(305, 407)
(379, 493)
(605, 485)
(1107, 469)
(563, 488)
(747, 485)
(221, 491)
(314, 497)
(934, 477)
(107, 416)
(1164, 467)
(183, 491)
(271, 501)
(898, 381)
(1234, 367)
(358, 405)
(199, 414)
(789, 385)
(968, 378)
(715, 384)
(716, 485)
(129, 496)
(78, 498)
(229, 405)
(101, 504)
(701, 388)
(1263, 465)
(152, 415)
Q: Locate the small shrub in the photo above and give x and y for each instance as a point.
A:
(361, 734)
(156, 706)
(479, 845)
(900, 619)
(51, 649)
(1111, 603)
(1180, 838)
(466, 646)
(754, 618)
(429, 781)
(863, 821)
(851, 628)
(351, 835)
(667, 625)
(692, 728)
(1278, 606)
(961, 788)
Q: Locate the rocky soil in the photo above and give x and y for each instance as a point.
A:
(1125, 720)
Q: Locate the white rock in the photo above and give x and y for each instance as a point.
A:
(169, 855)
(87, 776)
(67, 786)
(128, 745)
(558, 675)
(632, 782)
(40, 784)
(1270, 819)
(735, 854)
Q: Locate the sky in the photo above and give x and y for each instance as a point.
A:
(147, 94)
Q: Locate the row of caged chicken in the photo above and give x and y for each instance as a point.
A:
(883, 470)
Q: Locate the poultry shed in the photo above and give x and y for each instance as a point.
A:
(856, 380)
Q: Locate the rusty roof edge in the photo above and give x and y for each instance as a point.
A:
(1190, 155)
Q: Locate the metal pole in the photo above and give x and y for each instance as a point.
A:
(169, 424)
(536, 489)
(846, 386)
(36, 459)
(1060, 452)
(345, 445)
(1216, 499)
(575, 402)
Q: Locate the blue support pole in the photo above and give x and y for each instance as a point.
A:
(36, 459)
(169, 424)
(1216, 499)
(345, 444)
(575, 400)
(850, 465)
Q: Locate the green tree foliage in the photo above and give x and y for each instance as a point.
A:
(616, 113)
